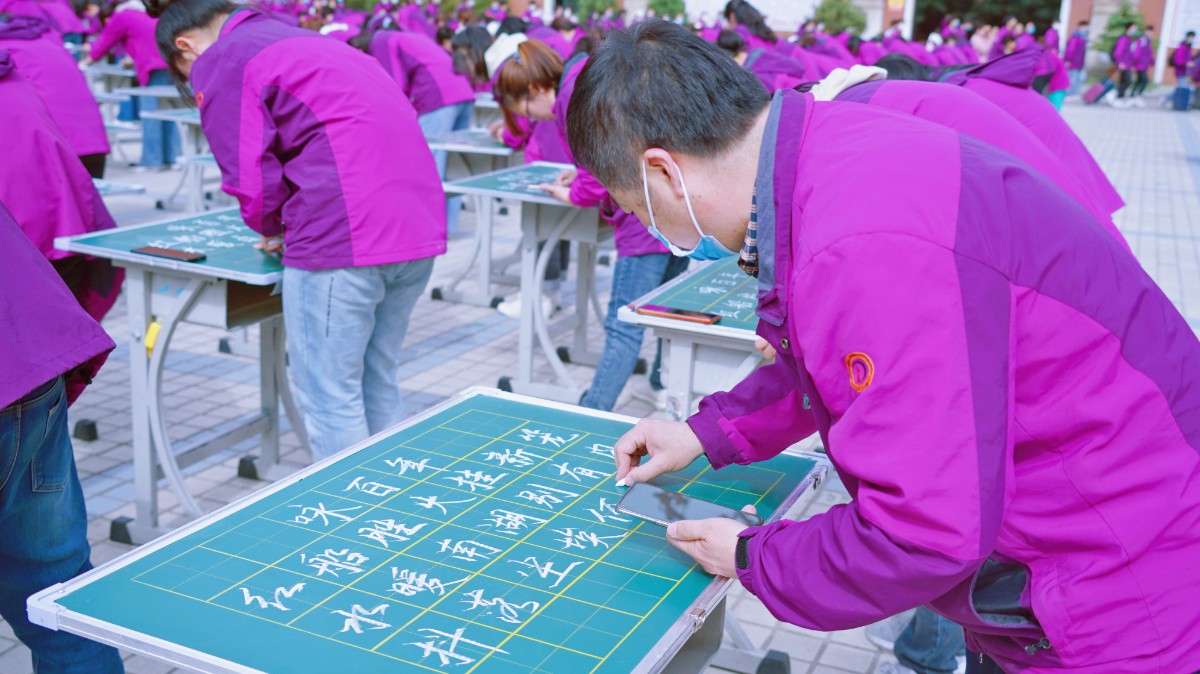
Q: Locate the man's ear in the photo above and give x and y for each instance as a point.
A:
(661, 166)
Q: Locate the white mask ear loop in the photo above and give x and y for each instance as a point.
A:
(687, 200)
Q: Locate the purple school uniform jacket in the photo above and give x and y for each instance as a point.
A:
(1013, 407)
(1143, 53)
(551, 38)
(777, 71)
(1123, 52)
(422, 68)
(46, 333)
(630, 236)
(318, 143)
(973, 115)
(39, 53)
(1076, 50)
(58, 13)
(1005, 82)
(133, 30)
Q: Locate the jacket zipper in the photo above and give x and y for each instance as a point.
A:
(1032, 649)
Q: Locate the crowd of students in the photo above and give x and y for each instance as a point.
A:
(994, 325)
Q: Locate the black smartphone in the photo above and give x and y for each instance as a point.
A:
(681, 314)
(663, 506)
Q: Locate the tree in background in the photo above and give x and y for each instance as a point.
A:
(585, 8)
(1116, 25)
(840, 15)
(667, 7)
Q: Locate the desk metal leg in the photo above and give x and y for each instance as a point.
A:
(145, 486)
(738, 653)
(681, 377)
(275, 389)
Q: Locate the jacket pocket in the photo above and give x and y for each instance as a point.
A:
(52, 462)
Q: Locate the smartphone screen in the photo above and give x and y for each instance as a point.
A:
(682, 314)
(663, 506)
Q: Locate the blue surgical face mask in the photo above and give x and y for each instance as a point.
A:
(708, 248)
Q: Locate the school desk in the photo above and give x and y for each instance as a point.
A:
(233, 287)
(108, 76)
(480, 536)
(703, 358)
(108, 188)
(192, 144)
(486, 110)
(476, 152)
(545, 219)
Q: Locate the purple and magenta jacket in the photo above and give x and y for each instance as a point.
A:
(133, 30)
(1123, 52)
(422, 68)
(1180, 59)
(630, 236)
(1014, 408)
(1076, 50)
(59, 14)
(317, 143)
(971, 114)
(1142, 53)
(38, 52)
(1005, 82)
(777, 71)
(47, 332)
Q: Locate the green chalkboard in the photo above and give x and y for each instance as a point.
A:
(180, 115)
(720, 288)
(481, 538)
(221, 235)
(512, 183)
(110, 189)
(468, 140)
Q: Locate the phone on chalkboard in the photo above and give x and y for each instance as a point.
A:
(663, 506)
(170, 253)
(681, 314)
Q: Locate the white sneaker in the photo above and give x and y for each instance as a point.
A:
(640, 389)
(511, 307)
(1139, 102)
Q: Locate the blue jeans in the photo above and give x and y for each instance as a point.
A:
(345, 328)
(160, 140)
(632, 277)
(454, 117)
(43, 528)
(1077, 78)
(930, 643)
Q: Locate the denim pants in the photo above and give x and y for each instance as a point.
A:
(345, 328)
(160, 140)
(632, 277)
(454, 117)
(43, 528)
(1077, 79)
(930, 643)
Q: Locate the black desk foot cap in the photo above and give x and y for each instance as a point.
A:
(247, 468)
(435, 294)
(85, 429)
(118, 530)
(775, 662)
(641, 367)
(505, 384)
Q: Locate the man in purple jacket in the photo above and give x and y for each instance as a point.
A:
(1013, 408)
(1143, 58)
(1122, 57)
(1075, 56)
(47, 338)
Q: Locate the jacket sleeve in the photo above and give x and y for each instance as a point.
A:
(243, 137)
(586, 191)
(921, 435)
(755, 420)
(112, 33)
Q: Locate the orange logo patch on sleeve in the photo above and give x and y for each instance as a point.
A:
(199, 98)
(861, 369)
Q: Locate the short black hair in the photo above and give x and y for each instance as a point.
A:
(658, 85)
(177, 16)
(731, 41)
(903, 67)
(512, 25)
(748, 15)
(1190, 33)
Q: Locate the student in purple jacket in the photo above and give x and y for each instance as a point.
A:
(534, 83)
(1076, 55)
(773, 69)
(1182, 56)
(56, 198)
(1012, 407)
(39, 53)
(51, 350)
(1143, 57)
(1122, 56)
(323, 149)
(131, 29)
(442, 98)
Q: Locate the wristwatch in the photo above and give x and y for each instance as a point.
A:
(741, 556)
